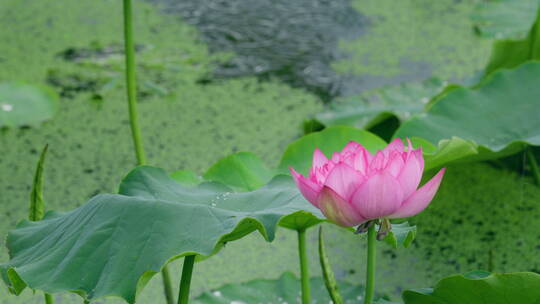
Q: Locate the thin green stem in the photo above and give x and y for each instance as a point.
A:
(328, 274)
(304, 269)
(49, 299)
(131, 85)
(185, 282)
(131, 82)
(370, 271)
(167, 286)
(534, 165)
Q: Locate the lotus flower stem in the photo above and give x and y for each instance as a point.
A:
(131, 85)
(167, 286)
(304, 271)
(534, 166)
(49, 299)
(185, 282)
(131, 82)
(370, 271)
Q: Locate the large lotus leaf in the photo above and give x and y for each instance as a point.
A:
(241, 171)
(25, 105)
(372, 107)
(299, 154)
(511, 53)
(112, 245)
(505, 19)
(480, 287)
(501, 116)
(286, 289)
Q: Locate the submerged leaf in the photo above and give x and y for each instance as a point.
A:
(505, 19)
(373, 107)
(480, 287)
(112, 245)
(26, 105)
(286, 289)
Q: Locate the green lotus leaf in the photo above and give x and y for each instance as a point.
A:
(447, 151)
(285, 289)
(374, 106)
(245, 171)
(186, 178)
(505, 19)
(26, 105)
(511, 53)
(241, 171)
(498, 118)
(480, 287)
(401, 235)
(299, 154)
(113, 244)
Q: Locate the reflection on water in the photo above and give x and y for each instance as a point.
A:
(295, 41)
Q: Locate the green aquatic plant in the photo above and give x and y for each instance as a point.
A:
(496, 119)
(237, 185)
(17, 284)
(151, 222)
(480, 287)
(245, 171)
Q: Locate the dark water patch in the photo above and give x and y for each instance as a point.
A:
(69, 84)
(355, 84)
(295, 41)
(97, 69)
(95, 51)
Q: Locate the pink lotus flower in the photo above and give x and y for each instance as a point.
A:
(355, 186)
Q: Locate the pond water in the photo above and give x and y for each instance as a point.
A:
(295, 41)
(302, 42)
(329, 48)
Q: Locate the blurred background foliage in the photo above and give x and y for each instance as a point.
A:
(218, 77)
